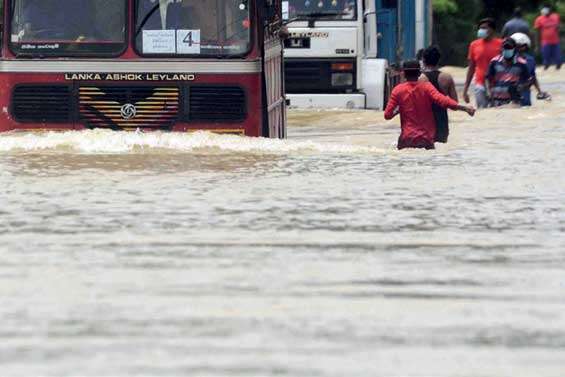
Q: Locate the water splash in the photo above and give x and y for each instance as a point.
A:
(105, 141)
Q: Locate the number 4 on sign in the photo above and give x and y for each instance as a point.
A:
(188, 41)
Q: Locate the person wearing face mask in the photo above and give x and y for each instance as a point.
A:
(481, 52)
(523, 43)
(507, 76)
(547, 25)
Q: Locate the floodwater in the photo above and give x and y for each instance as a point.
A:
(327, 254)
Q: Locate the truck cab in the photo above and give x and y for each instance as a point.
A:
(338, 51)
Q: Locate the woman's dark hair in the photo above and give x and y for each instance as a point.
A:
(431, 56)
(489, 21)
(420, 54)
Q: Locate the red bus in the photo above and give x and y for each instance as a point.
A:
(177, 65)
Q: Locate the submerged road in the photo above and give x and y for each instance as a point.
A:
(327, 254)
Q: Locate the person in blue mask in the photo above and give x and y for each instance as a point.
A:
(523, 43)
(507, 76)
(481, 52)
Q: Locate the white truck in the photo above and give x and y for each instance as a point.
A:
(331, 53)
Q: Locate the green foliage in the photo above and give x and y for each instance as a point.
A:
(445, 6)
(454, 28)
(560, 7)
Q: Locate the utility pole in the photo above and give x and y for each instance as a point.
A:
(400, 32)
(430, 10)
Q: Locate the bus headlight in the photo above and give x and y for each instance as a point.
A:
(342, 79)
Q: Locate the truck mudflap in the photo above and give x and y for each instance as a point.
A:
(374, 82)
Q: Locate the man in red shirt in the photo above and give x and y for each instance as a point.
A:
(548, 25)
(481, 52)
(413, 100)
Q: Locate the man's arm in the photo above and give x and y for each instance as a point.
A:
(526, 78)
(446, 102)
(488, 87)
(447, 84)
(489, 79)
(440, 99)
(535, 82)
(392, 107)
(470, 75)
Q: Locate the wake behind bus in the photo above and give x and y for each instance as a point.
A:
(172, 65)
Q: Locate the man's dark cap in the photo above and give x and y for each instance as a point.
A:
(411, 65)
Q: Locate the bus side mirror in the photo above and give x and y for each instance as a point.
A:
(270, 11)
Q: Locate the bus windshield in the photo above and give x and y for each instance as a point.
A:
(204, 28)
(330, 10)
(68, 27)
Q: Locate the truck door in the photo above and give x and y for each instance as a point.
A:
(387, 29)
(274, 123)
(370, 29)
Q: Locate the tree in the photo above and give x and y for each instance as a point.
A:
(454, 26)
(502, 11)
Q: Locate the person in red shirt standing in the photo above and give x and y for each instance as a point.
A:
(548, 25)
(481, 52)
(413, 100)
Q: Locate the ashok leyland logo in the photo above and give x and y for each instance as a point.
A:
(128, 111)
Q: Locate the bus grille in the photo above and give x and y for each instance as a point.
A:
(118, 107)
(216, 104)
(42, 104)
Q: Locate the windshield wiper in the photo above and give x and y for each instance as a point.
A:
(146, 18)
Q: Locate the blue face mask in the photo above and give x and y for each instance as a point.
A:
(482, 33)
(508, 54)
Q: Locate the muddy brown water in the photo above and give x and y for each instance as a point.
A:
(327, 254)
